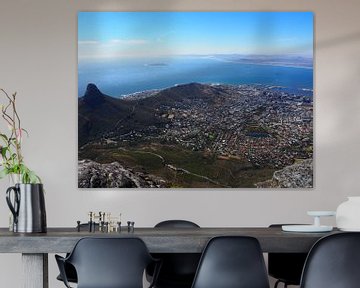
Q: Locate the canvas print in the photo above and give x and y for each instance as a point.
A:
(195, 100)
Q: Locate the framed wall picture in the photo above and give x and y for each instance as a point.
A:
(195, 99)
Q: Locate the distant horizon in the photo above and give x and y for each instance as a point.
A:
(121, 35)
(128, 52)
(309, 56)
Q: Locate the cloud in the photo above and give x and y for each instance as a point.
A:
(88, 42)
(113, 42)
(128, 41)
(112, 48)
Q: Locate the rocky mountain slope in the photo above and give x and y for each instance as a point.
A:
(299, 175)
(100, 114)
(113, 175)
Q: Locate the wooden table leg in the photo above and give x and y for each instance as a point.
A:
(35, 270)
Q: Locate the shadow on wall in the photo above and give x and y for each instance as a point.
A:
(339, 40)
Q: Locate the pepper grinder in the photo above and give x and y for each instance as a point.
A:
(90, 221)
(78, 226)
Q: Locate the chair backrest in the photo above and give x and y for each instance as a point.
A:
(176, 224)
(110, 262)
(232, 262)
(286, 266)
(178, 269)
(333, 262)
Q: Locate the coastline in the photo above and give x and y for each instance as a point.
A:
(130, 78)
(151, 92)
(135, 94)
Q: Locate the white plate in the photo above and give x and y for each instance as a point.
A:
(321, 213)
(306, 228)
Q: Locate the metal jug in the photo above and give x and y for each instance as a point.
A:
(28, 208)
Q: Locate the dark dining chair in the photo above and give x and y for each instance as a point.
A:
(232, 262)
(108, 263)
(178, 269)
(333, 262)
(286, 267)
(70, 271)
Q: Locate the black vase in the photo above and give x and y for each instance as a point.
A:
(28, 208)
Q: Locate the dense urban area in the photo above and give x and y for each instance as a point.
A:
(257, 129)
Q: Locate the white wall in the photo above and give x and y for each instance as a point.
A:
(38, 59)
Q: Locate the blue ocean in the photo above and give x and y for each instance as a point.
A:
(126, 76)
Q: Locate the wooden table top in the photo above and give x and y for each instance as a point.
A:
(158, 240)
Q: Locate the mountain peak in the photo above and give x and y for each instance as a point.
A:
(92, 89)
(93, 95)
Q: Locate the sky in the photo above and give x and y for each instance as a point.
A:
(159, 34)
